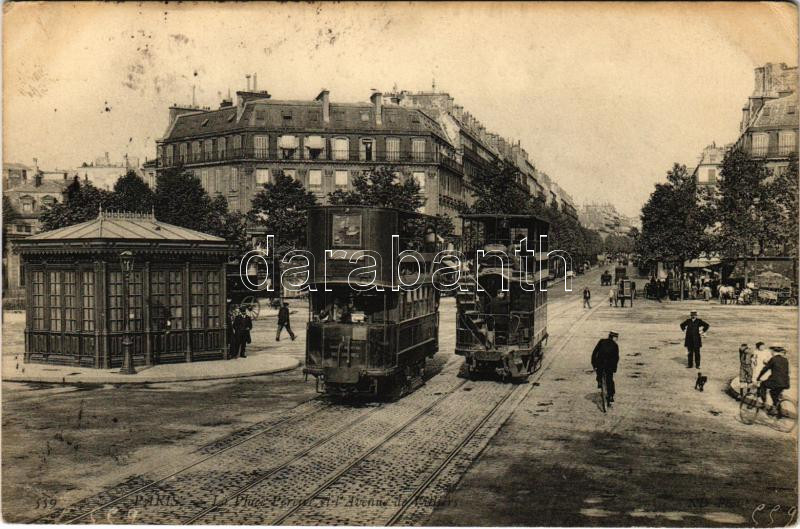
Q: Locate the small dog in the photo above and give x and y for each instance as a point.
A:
(700, 382)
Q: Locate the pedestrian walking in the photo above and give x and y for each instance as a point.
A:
(587, 295)
(612, 297)
(605, 358)
(695, 328)
(283, 321)
(242, 325)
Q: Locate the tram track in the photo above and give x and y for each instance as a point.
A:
(524, 391)
(480, 432)
(318, 407)
(413, 412)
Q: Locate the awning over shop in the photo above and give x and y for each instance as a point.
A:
(313, 142)
(702, 263)
(288, 142)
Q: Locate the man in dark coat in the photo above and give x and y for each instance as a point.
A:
(587, 295)
(695, 328)
(233, 346)
(242, 324)
(605, 358)
(283, 321)
(778, 380)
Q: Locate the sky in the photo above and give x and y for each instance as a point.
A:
(604, 97)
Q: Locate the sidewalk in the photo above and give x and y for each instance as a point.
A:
(256, 363)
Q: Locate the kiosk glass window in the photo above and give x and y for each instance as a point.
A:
(88, 300)
(346, 230)
(176, 299)
(37, 285)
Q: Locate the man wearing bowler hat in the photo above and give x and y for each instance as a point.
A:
(695, 328)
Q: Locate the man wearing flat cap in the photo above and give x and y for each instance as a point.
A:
(605, 358)
(695, 328)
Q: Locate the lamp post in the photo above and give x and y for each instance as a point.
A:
(126, 264)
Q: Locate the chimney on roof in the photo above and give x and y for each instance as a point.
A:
(255, 82)
(325, 97)
(377, 103)
(248, 82)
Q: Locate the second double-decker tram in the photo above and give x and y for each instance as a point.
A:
(501, 323)
(370, 341)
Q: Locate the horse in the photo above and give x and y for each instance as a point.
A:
(726, 293)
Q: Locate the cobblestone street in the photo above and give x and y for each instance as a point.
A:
(420, 460)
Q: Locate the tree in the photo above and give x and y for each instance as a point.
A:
(498, 191)
(673, 221)
(131, 193)
(180, 199)
(81, 203)
(10, 214)
(282, 208)
(381, 187)
(744, 207)
(783, 191)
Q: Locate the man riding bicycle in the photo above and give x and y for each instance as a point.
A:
(605, 358)
(778, 380)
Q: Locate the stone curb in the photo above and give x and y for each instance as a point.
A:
(285, 363)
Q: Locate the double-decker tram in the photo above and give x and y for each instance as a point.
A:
(364, 337)
(501, 322)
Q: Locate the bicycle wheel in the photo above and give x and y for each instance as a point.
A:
(603, 393)
(748, 409)
(787, 416)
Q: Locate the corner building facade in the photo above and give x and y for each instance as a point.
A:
(235, 149)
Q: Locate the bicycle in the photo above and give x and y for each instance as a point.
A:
(783, 415)
(603, 391)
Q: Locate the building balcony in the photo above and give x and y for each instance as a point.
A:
(308, 155)
(774, 152)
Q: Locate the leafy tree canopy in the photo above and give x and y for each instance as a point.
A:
(673, 221)
(82, 202)
(281, 207)
(381, 187)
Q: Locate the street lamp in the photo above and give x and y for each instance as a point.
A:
(126, 264)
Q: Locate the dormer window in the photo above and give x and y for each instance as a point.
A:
(365, 116)
(287, 116)
(261, 115)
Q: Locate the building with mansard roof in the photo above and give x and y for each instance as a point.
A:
(323, 144)
(768, 129)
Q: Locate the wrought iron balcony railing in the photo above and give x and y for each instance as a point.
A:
(290, 155)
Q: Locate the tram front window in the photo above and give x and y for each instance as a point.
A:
(347, 307)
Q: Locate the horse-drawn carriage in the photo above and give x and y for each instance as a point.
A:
(620, 272)
(775, 289)
(625, 290)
